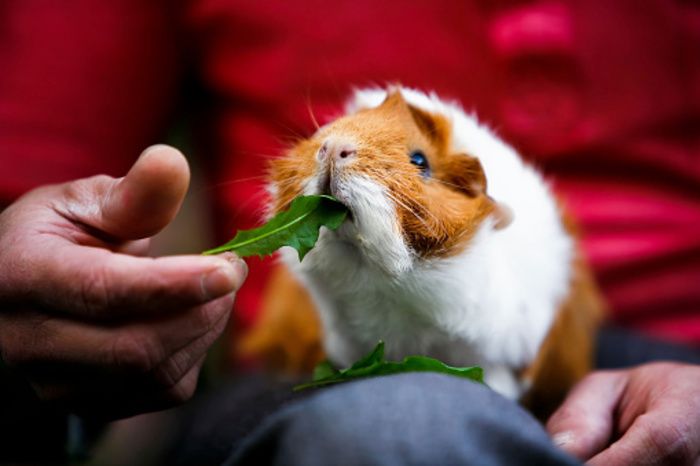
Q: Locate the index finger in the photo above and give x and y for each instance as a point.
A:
(96, 283)
(652, 440)
(583, 424)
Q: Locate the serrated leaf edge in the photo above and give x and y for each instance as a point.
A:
(473, 373)
(230, 246)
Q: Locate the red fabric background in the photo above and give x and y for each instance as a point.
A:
(603, 96)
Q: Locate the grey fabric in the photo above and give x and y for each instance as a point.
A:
(409, 419)
(218, 422)
(618, 347)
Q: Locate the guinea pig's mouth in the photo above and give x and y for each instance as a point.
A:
(326, 187)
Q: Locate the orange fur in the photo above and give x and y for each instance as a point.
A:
(287, 336)
(288, 173)
(439, 215)
(567, 353)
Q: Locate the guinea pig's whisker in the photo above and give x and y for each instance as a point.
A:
(223, 184)
(286, 183)
(409, 209)
(407, 187)
(295, 133)
(409, 173)
(289, 182)
(310, 109)
(435, 219)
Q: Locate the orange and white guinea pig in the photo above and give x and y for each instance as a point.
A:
(454, 248)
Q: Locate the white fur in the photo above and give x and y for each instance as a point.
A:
(490, 305)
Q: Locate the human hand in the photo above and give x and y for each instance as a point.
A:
(88, 322)
(648, 415)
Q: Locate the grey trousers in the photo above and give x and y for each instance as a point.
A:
(409, 419)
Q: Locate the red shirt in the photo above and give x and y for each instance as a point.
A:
(603, 96)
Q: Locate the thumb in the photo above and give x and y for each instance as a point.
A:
(583, 424)
(148, 197)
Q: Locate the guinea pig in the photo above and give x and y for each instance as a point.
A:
(454, 248)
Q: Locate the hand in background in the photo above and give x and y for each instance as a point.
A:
(90, 323)
(648, 415)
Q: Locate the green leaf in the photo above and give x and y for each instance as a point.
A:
(374, 364)
(324, 370)
(374, 357)
(296, 227)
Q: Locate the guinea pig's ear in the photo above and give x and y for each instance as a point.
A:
(502, 214)
(394, 99)
(464, 172)
(433, 127)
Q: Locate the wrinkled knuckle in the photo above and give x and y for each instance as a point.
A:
(667, 442)
(160, 288)
(171, 371)
(85, 188)
(207, 316)
(96, 294)
(134, 353)
(677, 446)
(70, 190)
(182, 391)
(73, 191)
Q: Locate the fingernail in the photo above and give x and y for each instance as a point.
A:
(241, 268)
(220, 281)
(238, 264)
(563, 438)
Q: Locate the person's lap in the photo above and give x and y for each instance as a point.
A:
(408, 419)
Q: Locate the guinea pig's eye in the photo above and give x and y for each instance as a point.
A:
(419, 159)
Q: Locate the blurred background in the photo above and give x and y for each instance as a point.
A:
(602, 95)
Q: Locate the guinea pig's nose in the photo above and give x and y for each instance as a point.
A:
(337, 150)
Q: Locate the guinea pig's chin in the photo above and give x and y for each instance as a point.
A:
(347, 232)
(374, 231)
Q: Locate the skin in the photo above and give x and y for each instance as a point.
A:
(92, 324)
(648, 415)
